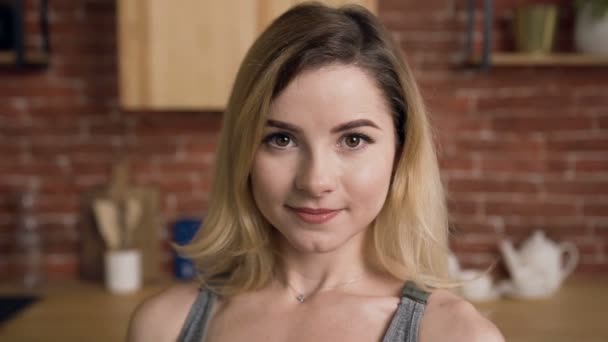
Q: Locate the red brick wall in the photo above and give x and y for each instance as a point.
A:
(521, 148)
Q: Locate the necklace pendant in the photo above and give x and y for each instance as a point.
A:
(300, 298)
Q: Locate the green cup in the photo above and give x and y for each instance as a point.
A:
(534, 28)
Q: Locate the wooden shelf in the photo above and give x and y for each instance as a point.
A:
(498, 59)
(8, 58)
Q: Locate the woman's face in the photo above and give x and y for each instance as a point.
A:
(322, 172)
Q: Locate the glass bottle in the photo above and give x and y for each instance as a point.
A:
(30, 254)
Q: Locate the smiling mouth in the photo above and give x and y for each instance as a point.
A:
(315, 216)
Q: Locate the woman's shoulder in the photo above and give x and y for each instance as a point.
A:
(447, 314)
(161, 316)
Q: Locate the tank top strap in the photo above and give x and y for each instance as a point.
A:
(412, 291)
(406, 321)
(195, 326)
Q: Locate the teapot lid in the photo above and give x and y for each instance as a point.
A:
(538, 240)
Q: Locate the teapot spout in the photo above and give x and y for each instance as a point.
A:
(511, 258)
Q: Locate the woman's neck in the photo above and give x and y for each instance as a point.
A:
(311, 272)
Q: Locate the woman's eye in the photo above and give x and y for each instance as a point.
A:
(278, 140)
(354, 141)
(281, 140)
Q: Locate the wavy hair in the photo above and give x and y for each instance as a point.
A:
(408, 239)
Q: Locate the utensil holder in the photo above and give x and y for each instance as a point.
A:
(123, 272)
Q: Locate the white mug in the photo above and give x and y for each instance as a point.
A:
(123, 271)
(477, 286)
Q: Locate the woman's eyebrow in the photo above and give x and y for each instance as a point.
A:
(340, 128)
(354, 124)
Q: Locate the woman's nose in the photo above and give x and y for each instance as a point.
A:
(316, 175)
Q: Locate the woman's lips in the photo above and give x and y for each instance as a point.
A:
(315, 216)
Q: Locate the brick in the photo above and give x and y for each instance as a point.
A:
(177, 186)
(498, 163)
(487, 246)
(464, 226)
(530, 209)
(9, 109)
(56, 203)
(414, 6)
(89, 166)
(522, 147)
(46, 147)
(185, 123)
(188, 166)
(409, 45)
(603, 122)
(582, 143)
(492, 185)
(592, 268)
(576, 187)
(514, 103)
(455, 163)
(33, 168)
(430, 22)
(107, 128)
(192, 147)
(192, 205)
(16, 88)
(447, 106)
(593, 100)
(62, 267)
(457, 125)
(12, 150)
(462, 206)
(584, 166)
(142, 166)
(63, 246)
(40, 127)
(151, 146)
(595, 209)
(523, 123)
(65, 110)
(557, 228)
(7, 242)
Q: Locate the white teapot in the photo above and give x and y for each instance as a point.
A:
(537, 270)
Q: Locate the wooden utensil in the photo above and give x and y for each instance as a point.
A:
(106, 214)
(133, 215)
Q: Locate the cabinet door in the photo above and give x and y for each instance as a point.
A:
(184, 55)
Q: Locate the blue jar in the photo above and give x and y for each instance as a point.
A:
(183, 232)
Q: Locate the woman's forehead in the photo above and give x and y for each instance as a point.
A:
(334, 93)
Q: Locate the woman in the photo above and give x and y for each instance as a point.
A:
(328, 219)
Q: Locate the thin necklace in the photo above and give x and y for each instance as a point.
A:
(301, 297)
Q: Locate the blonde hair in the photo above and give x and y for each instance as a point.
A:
(408, 239)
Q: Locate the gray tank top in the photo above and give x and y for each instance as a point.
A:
(403, 326)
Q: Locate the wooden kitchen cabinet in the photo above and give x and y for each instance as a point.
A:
(184, 55)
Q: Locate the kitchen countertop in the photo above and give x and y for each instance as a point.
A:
(73, 311)
(578, 312)
(78, 311)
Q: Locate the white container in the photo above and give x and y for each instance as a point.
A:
(477, 286)
(590, 32)
(123, 271)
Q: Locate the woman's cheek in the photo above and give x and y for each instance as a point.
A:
(368, 177)
(274, 171)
